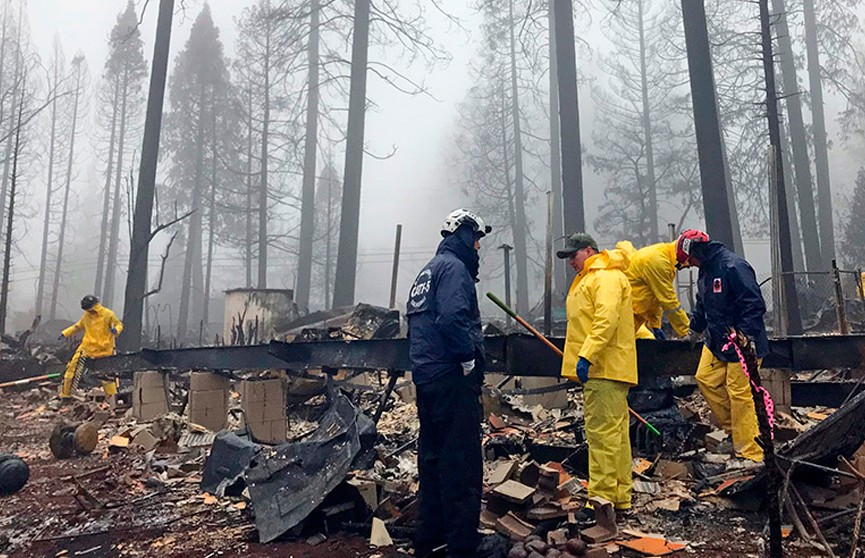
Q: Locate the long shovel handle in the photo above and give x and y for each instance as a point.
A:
(555, 349)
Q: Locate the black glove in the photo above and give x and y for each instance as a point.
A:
(659, 333)
(61, 337)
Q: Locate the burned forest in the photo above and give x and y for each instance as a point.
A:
(477, 279)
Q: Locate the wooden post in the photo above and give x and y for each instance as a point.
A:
(548, 269)
(395, 272)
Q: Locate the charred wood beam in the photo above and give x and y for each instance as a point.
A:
(515, 354)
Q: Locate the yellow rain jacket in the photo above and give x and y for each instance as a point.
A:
(600, 323)
(652, 274)
(96, 323)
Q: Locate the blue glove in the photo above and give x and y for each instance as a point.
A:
(583, 370)
(659, 333)
(114, 331)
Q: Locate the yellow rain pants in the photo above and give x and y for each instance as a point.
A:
(76, 366)
(728, 393)
(607, 432)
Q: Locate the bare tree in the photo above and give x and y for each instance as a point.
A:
(57, 69)
(142, 233)
(79, 71)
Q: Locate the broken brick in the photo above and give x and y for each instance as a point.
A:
(514, 491)
(513, 527)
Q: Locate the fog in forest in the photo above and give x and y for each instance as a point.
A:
(458, 114)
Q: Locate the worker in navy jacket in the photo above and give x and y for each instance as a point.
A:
(728, 297)
(447, 354)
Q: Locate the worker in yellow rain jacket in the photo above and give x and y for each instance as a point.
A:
(100, 327)
(601, 353)
(652, 274)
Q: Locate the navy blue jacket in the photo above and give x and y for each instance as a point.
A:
(728, 296)
(444, 323)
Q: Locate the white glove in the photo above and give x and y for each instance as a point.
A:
(468, 367)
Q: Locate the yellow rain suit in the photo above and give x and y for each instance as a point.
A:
(601, 330)
(728, 393)
(96, 323)
(652, 273)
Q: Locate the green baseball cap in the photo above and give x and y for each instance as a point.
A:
(575, 243)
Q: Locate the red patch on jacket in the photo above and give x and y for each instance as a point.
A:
(716, 285)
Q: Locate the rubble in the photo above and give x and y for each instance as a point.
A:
(159, 482)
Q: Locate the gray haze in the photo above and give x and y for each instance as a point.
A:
(416, 186)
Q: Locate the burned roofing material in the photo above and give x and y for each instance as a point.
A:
(288, 482)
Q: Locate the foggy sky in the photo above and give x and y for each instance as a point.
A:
(413, 187)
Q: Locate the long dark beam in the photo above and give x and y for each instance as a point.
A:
(516, 354)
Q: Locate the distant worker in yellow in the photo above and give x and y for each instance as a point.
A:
(100, 327)
(600, 352)
(652, 274)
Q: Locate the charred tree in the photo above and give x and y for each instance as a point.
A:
(559, 275)
(114, 239)
(798, 140)
(136, 279)
(106, 199)
(77, 62)
(49, 185)
(792, 316)
(13, 109)
(307, 210)
(519, 187)
(821, 143)
(10, 219)
(346, 262)
(569, 114)
(263, 177)
(713, 173)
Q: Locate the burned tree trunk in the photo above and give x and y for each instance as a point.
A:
(799, 141)
(248, 239)
(10, 219)
(114, 239)
(193, 239)
(651, 183)
(569, 114)
(307, 211)
(46, 224)
(106, 201)
(263, 191)
(821, 149)
(793, 318)
(211, 213)
(58, 268)
(559, 276)
(16, 82)
(136, 280)
(346, 260)
(520, 234)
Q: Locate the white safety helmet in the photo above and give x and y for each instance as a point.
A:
(461, 216)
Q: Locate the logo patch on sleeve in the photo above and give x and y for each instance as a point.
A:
(716, 285)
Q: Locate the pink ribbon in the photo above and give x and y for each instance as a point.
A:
(767, 399)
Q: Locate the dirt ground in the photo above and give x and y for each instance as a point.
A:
(104, 505)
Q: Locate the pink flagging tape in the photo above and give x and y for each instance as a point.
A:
(767, 399)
